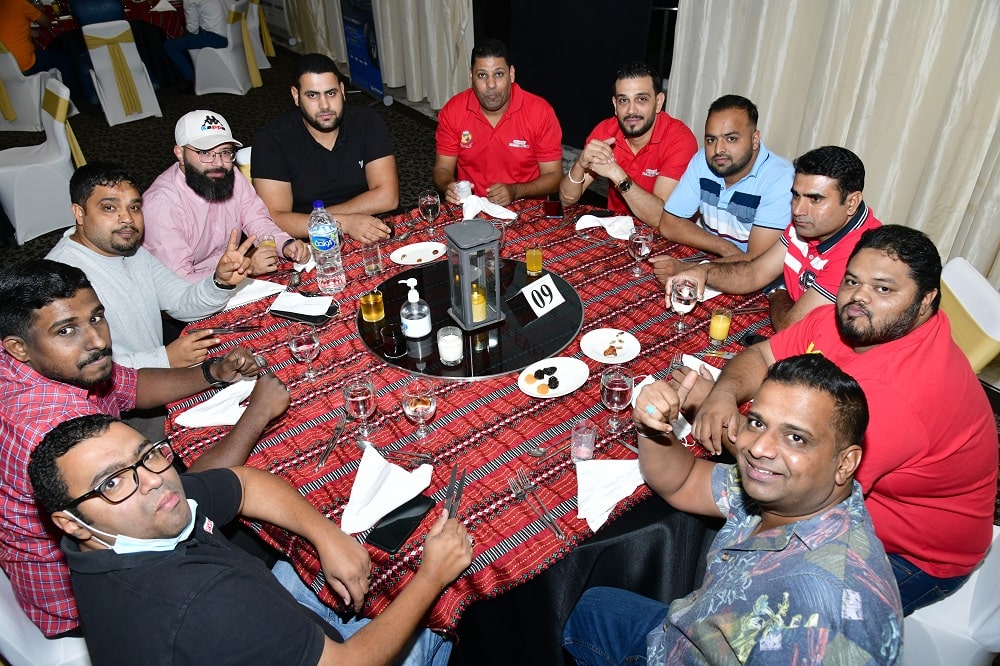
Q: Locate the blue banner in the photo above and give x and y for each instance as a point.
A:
(362, 47)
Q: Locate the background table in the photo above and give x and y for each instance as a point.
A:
(485, 426)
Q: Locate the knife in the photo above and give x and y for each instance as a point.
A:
(720, 354)
(333, 442)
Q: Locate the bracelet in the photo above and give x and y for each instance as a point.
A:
(206, 371)
(569, 174)
(222, 285)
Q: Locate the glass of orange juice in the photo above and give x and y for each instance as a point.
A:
(533, 257)
(718, 330)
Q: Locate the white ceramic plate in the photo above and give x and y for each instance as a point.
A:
(418, 253)
(596, 343)
(572, 373)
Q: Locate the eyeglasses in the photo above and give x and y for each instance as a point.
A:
(121, 485)
(208, 156)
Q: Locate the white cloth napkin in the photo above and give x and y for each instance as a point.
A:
(601, 484)
(380, 487)
(620, 227)
(473, 205)
(221, 409)
(289, 301)
(163, 6)
(308, 266)
(252, 290)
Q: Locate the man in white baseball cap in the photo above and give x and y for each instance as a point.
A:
(192, 207)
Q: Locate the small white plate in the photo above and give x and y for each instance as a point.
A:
(596, 343)
(418, 253)
(572, 373)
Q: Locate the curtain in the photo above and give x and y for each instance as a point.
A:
(911, 87)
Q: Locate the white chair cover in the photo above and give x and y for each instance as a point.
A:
(34, 180)
(22, 643)
(20, 95)
(260, 38)
(973, 308)
(243, 160)
(119, 75)
(224, 70)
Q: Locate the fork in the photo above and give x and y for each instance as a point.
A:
(524, 491)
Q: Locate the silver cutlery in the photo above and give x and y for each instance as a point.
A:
(332, 443)
(529, 489)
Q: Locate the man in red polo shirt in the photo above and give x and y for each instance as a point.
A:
(505, 141)
(642, 151)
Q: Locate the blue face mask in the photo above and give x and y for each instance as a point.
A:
(125, 545)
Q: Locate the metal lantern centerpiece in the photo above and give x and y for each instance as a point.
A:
(473, 271)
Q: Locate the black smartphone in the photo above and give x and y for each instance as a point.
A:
(396, 526)
(552, 209)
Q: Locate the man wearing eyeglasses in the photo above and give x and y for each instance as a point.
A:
(154, 577)
(193, 206)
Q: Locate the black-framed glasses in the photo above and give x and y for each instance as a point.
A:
(121, 485)
(208, 156)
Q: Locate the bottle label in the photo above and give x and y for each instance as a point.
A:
(322, 242)
(416, 328)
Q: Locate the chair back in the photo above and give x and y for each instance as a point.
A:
(243, 161)
(227, 70)
(86, 12)
(260, 36)
(120, 77)
(20, 95)
(23, 644)
(239, 32)
(973, 309)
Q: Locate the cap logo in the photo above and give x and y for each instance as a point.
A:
(212, 123)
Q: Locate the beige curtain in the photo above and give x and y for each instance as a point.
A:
(910, 86)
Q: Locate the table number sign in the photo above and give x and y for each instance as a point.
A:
(543, 295)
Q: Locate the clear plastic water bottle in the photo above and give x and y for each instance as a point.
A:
(330, 276)
(324, 234)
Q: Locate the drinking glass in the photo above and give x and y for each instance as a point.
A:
(419, 404)
(359, 398)
(640, 244)
(429, 204)
(303, 342)
(616, 394)
(683, 298)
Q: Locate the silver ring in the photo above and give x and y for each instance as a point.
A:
(472, 542)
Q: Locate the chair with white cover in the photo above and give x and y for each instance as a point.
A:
(963, 628)
(260, 36)
(23, 644)
(232, 69)
(243, 161)
(119, 75)
(34, 180)
(973, 308)
(20, 95)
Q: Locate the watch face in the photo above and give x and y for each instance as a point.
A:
(625, 185)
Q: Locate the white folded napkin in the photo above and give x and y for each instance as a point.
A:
(223, 408)
(163, 6)
(380, 487)
(473, 205)
(308, 266)
(601, 484)
(252, 290)
(289, 301)
(620, 227)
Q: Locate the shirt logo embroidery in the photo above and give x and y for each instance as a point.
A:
(518, 143)
(466, 141)
(807, 279)
(361, 163)
(208, 526)
(651, 173)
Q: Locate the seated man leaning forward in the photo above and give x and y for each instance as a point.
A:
(503, 140)
(642, 151)
(740, 188)
(929, 471)
(55, 365)
(132, 284)
(796, 575)
(805, 269)
(192, 208)
(329, 151)
(154, 576)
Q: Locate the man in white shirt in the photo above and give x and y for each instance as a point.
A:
(206, 28)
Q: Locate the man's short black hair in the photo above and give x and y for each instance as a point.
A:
(489, 48)
(815, 371)
(639, 70)
(31, 285)
(836, 163)
(727, 102)
(47, 482)
(911, 247)
(92, 174)
(315, 63)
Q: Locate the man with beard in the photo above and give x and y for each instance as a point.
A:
(326, 150)
(929, 470)
(55, 365)
(193, 207)
(132, 284)
(740, 188)
(505, 141)
(642, 151)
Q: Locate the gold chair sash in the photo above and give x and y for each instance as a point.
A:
(123, 75)
(58, 108)
(255, 79)
(265, 33)
(6, 107)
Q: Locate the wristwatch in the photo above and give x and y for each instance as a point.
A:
(206, 370)
(625, 185)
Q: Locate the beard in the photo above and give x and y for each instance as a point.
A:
(638, 131)
(208, 188)
(317, 125)
(735, 166)
(891, 329)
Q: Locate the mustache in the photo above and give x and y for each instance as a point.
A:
(860, 305)
(93, 358)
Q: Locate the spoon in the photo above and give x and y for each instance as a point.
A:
(536, 451)
(294, 280)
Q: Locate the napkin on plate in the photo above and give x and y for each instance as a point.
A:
(601, 484)
(252, 290)
(289, 301)
(473, 205)
(221, 409)
(380, 487)
(163, 6)
(620, 227)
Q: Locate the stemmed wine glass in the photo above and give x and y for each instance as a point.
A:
(359, 397)
(640, 244)
(419, 404)
(683, 298)
(616, 394)
(303, 342)
(429, 204)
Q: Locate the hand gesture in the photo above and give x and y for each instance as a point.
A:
(500, 193)
(190, 349)
(236, 364)
(234, 265)
(297, 251)
(598, 157)
(347, 567)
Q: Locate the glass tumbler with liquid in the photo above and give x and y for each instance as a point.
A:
(372, 306)
(533, 258)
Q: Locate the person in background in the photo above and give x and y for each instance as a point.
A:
(642, 151)
(16, 17)
(326, 150)
(504, 140)
(205, 21)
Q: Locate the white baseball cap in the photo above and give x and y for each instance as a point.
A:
(203, 129)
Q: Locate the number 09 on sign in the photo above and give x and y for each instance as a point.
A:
(543, 295)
